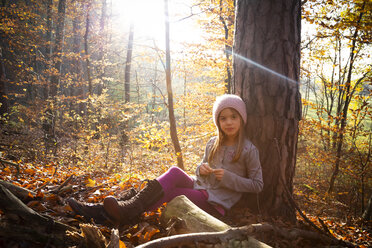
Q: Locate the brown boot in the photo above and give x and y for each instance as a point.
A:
(126, 195)
(89, 211)
(128, 211)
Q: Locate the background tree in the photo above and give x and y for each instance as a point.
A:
(57, 51)
(335, 56)
(128, 63)
(172, 119)
(268, 33)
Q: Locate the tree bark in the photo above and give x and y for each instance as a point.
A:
(172, 118)
(21, 193)
(266, 67)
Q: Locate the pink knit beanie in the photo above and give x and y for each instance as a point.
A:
(229, 101)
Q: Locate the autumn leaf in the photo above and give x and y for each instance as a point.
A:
(40, 195)
(7, 171)
(148, 235)
(122, 244)
(30, 171)
(90, 183)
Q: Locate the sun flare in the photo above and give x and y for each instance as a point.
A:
(147, 16)
(148, 19)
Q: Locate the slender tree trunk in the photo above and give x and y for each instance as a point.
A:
(128, 63)
(3, 86)
(347, 94)
(48, 47)
(184, 97)
(172, 118)
(57, 54)
(77, 89)
(86, 48)
(368, 211)
(268, 33)
(138, 89)
(154, 91)
(102, 45)
(227, 50)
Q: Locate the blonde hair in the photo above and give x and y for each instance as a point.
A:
(221, 138)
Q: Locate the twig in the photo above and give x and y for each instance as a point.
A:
(62, 185)
(324, 225)
(164, 101)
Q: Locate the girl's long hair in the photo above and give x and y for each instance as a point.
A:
(221, 138)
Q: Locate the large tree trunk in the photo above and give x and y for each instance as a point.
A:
(266, 74)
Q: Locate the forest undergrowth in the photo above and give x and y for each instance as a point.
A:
(92, 183)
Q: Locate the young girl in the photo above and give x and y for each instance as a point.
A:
(230, 166)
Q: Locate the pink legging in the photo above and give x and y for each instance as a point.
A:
(176, 182)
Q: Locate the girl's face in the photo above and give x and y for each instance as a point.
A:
(230, 122)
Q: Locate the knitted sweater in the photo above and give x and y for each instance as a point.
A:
(245, 175)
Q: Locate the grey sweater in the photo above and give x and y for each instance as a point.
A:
(245, 175)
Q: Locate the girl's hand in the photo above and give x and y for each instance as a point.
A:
(205, 169)
(219, 173)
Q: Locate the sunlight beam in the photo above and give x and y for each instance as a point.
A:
(263, 67)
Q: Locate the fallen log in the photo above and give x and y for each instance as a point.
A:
(237, 236)
(194, 218)
(35, 227)
(198, 226)
(21, 193)
(32, 234)
(242, 237)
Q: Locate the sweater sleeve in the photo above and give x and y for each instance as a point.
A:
(205, 156)
(253, 182)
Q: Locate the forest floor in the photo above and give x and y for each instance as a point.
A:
(93, 186)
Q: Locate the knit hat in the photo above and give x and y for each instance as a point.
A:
(229, 101)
